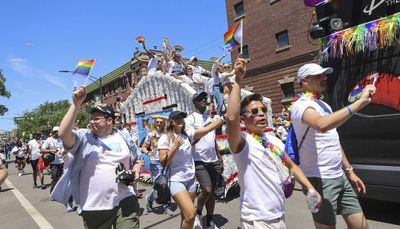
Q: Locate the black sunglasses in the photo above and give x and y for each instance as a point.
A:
(257, 111)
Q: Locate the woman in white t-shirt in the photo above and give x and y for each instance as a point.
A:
(175, 151)
(20, 152)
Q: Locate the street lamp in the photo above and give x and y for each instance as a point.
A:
(93, 79)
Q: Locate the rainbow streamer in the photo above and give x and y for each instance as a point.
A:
(83, 67)
(368, 37)
(233, 36)
(178, 48)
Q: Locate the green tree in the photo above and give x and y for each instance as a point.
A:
(3, 92)
(45, 117)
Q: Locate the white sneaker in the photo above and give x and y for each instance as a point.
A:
(198, 222)
(19, 174)
(212, 226)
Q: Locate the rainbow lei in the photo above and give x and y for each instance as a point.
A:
(267, 144)
(307, 94)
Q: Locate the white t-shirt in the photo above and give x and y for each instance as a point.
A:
(204, 149)
(227, 79)
(261, 193)
(182, 165)
(282, 132)
(320, 154)
(98, 189)
(197, 70)
(55, 143)
(34, 147)
(18, 151)
(152, 65)
(175, 67)
(152, 141)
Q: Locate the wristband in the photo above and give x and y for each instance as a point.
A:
(350, 110)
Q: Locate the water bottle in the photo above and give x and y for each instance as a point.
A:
(312, 200)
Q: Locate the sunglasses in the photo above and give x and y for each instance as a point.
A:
(257, 111)
(160, 122)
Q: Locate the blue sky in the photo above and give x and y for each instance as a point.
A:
(39, 38)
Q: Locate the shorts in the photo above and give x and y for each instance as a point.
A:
(22, 159)
(34, 164)
(177, 186)
(207, 173)
(56, 170)
(278, 223)
(338, 198)
(125, 215)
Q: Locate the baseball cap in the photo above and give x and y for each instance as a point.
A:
(199, 95)
(192, 58)
(105, 109)
(56, 128)
(311, 70)
(177, 114)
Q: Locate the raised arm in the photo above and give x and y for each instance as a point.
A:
(147, 51)
(200, 132)
(136, 56)
(235, 137)
(67, 123)
(324, 123)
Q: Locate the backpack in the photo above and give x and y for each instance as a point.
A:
(291, 145)
(162, 194)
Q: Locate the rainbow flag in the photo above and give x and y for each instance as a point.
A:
(140, 39)
(83, 67)
(233, 36)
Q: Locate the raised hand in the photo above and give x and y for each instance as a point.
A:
(79, 95)
(178, 141)
(240, 69)
(368, 91)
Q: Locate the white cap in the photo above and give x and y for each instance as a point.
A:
(56, 128)
(311, 70)
(192, 58)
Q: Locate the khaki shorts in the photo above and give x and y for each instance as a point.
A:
(124, 216)
(338, 197)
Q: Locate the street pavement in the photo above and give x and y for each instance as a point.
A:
(41, 212)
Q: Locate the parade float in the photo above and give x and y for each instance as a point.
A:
(360, 40)
(159, 94)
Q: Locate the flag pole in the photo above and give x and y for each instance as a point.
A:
(241, 42)
(88, 76)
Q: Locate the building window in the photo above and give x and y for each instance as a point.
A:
(245, 52)
(239, 9)
(123, 82)
(115, 87)
(282, 39)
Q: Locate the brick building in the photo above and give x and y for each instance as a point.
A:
(275, 39)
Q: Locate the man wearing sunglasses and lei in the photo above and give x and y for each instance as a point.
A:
(321, 156)
(259, 159)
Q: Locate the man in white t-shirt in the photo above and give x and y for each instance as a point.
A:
(261, 193)
(103, 170)
(321, 156)
(54, 145)
(33, 149)
(207, 159)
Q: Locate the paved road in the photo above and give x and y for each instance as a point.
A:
(41, 212)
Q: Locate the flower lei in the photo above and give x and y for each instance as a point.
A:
(267, 144)
(307, 94)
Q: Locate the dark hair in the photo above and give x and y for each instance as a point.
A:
(170, 129)
(247, 100)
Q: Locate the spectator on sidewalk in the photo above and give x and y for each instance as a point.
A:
(3, 169)
(19, 151)
(94, 178)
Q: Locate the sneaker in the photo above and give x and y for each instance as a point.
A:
(35, 186)
(198, 222)
(212, 226)
(69, 207)
(43, 186)
(19, 174)
(149, 206)
(168, 211)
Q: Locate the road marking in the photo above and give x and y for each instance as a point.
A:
(36, 216)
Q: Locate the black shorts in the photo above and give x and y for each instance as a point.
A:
(207, 173)
(34, 164)
(56, 170)
(22, 159)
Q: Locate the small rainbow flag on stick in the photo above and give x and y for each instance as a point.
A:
(233, 36)
(84, 67)
(140, 39)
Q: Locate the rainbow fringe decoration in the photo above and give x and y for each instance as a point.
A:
(368, 37)
(233, 36)
(83, 67)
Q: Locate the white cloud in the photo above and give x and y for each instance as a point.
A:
(30, 44)
(22, 88)
(18, 60)
(56, 81)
